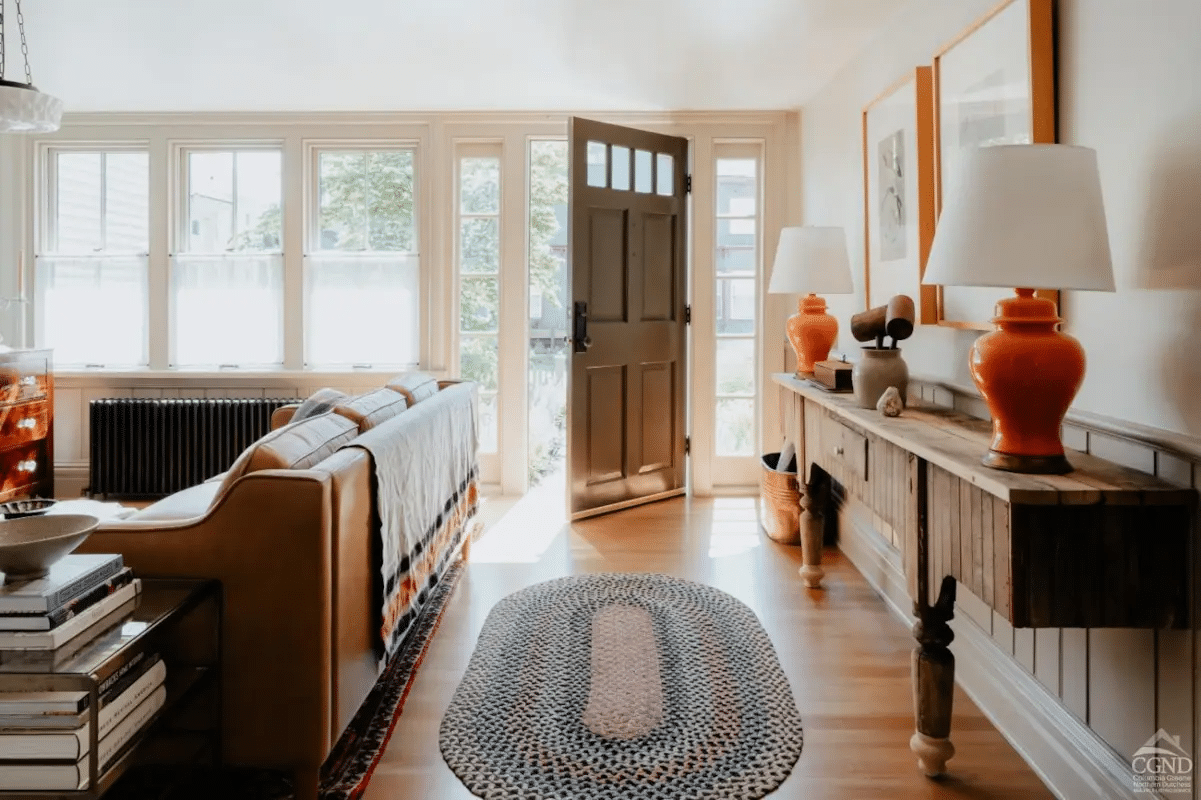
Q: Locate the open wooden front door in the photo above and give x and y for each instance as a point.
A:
(626, 385)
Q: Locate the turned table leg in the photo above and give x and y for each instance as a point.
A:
(813, 504)
(934, 681)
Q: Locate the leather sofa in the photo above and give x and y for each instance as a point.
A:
(289, 533)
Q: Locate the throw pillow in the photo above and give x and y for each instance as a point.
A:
(371, 408)
(318, 403)
(415, 386)
(298, 445)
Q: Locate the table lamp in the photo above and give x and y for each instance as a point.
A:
(1023, 216)
(811, 259)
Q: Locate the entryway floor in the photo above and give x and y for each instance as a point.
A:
(845, 654)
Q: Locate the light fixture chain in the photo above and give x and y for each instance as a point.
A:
(1, 40)
(24, 46)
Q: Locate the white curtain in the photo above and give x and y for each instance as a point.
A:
(227, 309)
(92, 309)
(362, 309)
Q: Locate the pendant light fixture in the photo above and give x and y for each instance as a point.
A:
(23, 109)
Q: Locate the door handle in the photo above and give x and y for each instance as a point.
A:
(580, 340)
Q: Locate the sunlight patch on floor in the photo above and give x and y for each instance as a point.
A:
(527, 529)
(735, 527)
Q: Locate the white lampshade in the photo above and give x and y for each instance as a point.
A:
(1023, 215)
(811, 259)
(26, 110)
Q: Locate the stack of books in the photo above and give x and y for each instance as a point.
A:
(78, 598)
(45, 741)
(45, 737)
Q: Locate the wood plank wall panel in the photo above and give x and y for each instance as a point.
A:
(1073, 666)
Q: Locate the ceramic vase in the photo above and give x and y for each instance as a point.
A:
(876, 371)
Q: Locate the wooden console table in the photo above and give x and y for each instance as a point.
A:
(1102, 546)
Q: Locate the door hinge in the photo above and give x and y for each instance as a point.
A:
(687, 184)
(687, 445)
(688, 315)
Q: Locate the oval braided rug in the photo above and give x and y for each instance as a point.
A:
(631, 686)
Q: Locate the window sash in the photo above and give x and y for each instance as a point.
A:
(312, 222)
(370, 301)
(92, 310)
(183, 230)
(227, 310)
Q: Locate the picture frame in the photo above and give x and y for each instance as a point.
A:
(993, 84)
(898, 187)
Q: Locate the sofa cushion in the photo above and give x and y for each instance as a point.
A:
(298, 445)
(371, 408)
(415, 386)
(319, 402)
(186, 504)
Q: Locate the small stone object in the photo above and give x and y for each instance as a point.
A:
(890, 402)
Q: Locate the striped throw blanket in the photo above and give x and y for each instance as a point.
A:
(426, 499)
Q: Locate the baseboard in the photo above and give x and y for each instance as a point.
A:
(1064, 752)
(70, 479)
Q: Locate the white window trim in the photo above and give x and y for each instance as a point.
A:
(728, 469)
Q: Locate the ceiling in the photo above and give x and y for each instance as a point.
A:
(373, 55)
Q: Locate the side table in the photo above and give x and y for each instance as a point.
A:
(180, 619)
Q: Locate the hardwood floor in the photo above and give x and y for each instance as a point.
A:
(846, 656)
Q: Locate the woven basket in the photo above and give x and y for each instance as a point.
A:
(779, 501)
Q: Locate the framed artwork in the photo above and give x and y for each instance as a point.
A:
(994, 84)
(898, 188)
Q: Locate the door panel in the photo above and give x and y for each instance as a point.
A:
(658, 288)
(658, 432)
(606, 413)
(608, 233)
(626, 393)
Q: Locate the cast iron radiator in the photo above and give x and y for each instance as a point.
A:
(151, 447)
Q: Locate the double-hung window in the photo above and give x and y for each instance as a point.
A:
(227, 272)
(92, 264)
(362, 278)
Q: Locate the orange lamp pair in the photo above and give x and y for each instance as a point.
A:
(811, 259)
(1025, 215)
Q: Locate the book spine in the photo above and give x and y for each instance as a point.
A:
(89, 598)
(128, 678)
(50, 640)
(83, 583)
(113, 745)
(112, 680)
(129, 699)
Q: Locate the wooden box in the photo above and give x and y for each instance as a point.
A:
(833, 374)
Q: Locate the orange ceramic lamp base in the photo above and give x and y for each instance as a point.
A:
(811, 331)
(1028, 373)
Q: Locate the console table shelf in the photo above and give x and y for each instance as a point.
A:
(1101, 546)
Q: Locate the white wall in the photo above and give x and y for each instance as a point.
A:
(1129, 85)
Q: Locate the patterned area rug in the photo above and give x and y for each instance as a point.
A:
(622, 686)
(349, 766)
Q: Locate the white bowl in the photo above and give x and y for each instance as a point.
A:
(29, 545)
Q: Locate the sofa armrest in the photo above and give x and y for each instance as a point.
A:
(269, 541)
(283, 415)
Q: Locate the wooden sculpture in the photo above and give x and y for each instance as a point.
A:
(894, 319)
